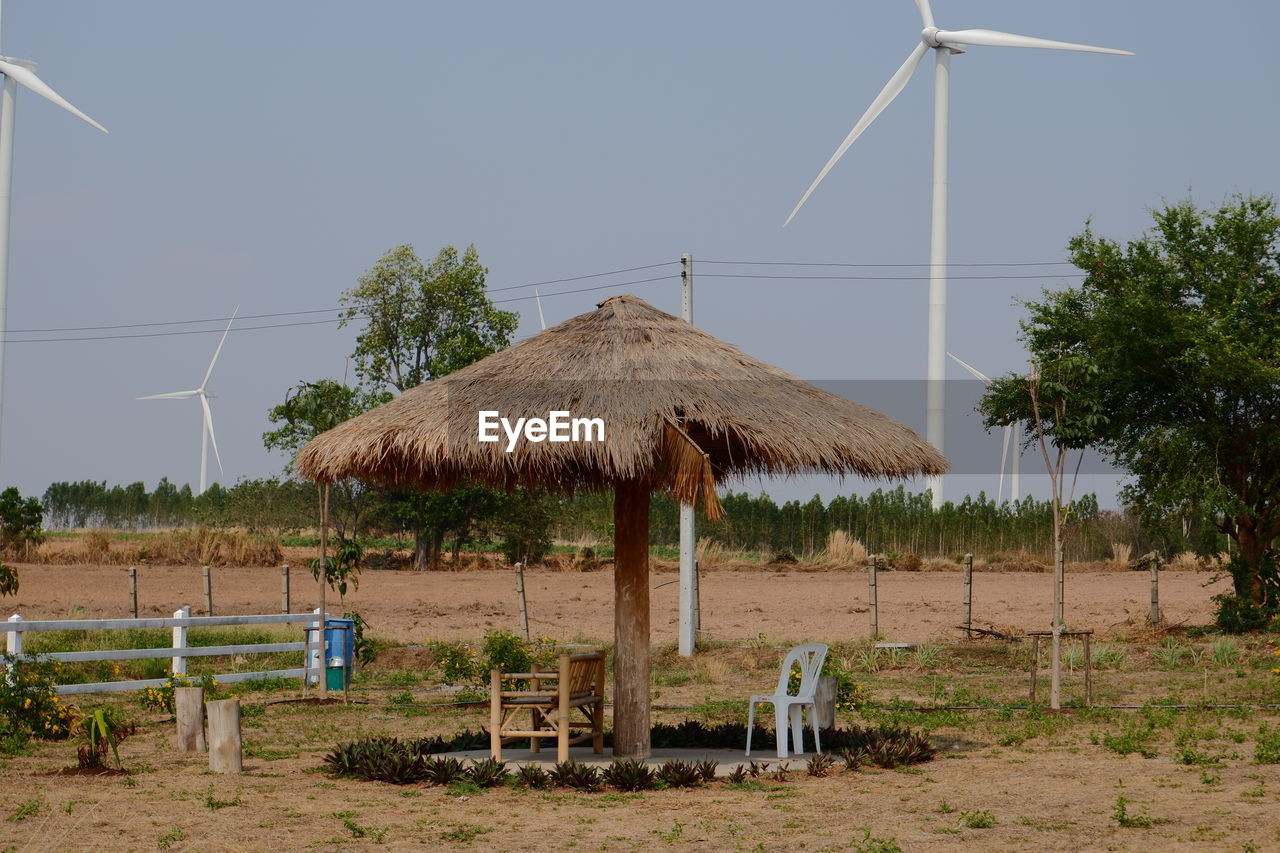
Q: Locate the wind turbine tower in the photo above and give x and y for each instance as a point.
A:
(943, 43)
(17, 72)
(206, 421)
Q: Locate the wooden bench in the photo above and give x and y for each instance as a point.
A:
(549, 696)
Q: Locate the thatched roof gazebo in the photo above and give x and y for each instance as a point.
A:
(681, 411)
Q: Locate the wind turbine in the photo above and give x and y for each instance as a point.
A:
(943, 43)
(542, 321)
(17, 72)
(1008, 435)
(206, 429)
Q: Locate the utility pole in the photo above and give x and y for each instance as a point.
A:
(688, 534)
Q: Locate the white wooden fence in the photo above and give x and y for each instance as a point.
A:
(182, 620)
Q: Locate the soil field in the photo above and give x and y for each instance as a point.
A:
(784, 606)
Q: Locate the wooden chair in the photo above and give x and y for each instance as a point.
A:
(549, 696)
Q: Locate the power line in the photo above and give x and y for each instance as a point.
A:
(219, 330)
(818, 264)
(883, 277)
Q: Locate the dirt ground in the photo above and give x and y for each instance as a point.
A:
(784, 606)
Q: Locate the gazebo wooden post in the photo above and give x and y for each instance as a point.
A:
(631, 620)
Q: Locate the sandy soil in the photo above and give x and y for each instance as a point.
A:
(784, 606)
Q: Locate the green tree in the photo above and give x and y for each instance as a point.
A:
(310, 408)
(423, 321)
(420, 322)
(1178, 330)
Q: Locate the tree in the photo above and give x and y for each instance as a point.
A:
(1179, 333)
(310, 408)
(420, 323)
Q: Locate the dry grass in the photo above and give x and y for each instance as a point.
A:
(201, 546)
(1121, 552)
(708, 553)
(844, 550)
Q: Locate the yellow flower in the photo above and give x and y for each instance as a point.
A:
(27, 703)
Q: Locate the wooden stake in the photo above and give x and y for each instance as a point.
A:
(875, 607)
(524, 606)
(1055, 680)
(208, 591)
(284, 588)
(631, 620)
(188, 706)
(225, 753)
(1155, 589)
(968, 594)
(133, 592)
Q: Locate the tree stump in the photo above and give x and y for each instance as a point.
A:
(824, 703)
(188, 706)
(225, 754)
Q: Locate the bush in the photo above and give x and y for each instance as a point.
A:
(1235, 614)
(29, 707)
(457, 664)
(20, 523)
(160, 699)
(102, 729)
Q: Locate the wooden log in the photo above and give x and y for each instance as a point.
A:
(631, 620)
(188, 707)
(225, 752)
(824, 703)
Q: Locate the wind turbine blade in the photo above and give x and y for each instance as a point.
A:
(976, 375)
(172, 395)
(995, 38)
(208, 423)
(926, 14)
(1004, 454)
(541, 319)
(27, 78)
(216, 352)
(890, 91)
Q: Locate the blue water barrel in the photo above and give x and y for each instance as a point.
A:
(339, 640)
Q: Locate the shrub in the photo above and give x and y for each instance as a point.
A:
(820, 765)
(505, 651)
(629, 774)
(488, 773)
(20, 524)
(783, 557)
(457, 663)
(576, 775)
(680, 774)
(533, 776)
(160, 699)
(29, 706)
(1235, 614)
(444, 771)
(102, 729)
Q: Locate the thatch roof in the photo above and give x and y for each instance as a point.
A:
(682, 411)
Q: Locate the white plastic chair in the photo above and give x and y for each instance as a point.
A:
(786, 706)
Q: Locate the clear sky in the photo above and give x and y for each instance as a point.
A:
(267, 153)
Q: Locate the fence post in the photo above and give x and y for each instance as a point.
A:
(1155, 589)
(208, 592)
(180, 641)
(284, 588)
(133, 592)
(524, 608)
(968, 595)
(14, 644)
(316, 651)
(875, 609)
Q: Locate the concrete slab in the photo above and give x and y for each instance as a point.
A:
(728, 758)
